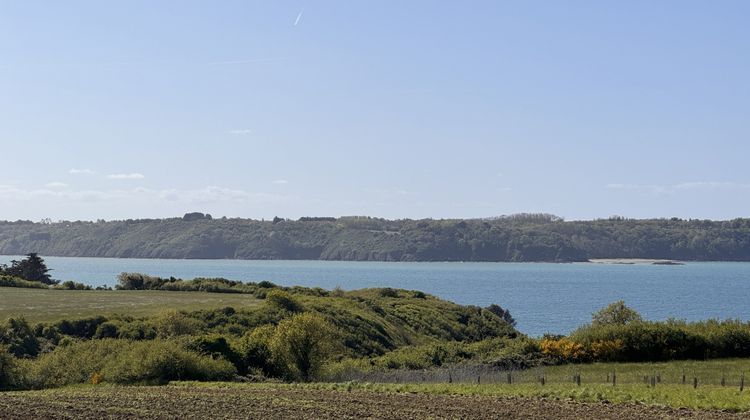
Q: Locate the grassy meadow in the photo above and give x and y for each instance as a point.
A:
(674, 396)
(36, 305)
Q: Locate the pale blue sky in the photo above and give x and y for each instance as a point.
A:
(385, 108)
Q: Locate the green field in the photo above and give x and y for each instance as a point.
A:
(52, 305)
(708, 372)
(642, 383)
(596, 385)
(710, 397)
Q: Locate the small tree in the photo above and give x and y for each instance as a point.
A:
(303, 343)
(31, 268)
(616, 313)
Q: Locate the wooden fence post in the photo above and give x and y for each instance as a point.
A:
(742, 382)
(614, 378)
(695, 382)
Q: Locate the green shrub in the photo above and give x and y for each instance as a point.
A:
(10, 377)
(387, 292)
(106, 330)
(160, 362)
(125, 362)
(138, 281)
(10, 281)
(71, 285)
(174, 323)
(217, 346)
(136, 330)
(303, 343)
(416, 294)
(255, 350)
(83, 328)
(19, 338)
(282, 300)
(647, 341)
(617, 313)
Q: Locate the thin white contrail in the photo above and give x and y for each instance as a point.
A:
(299, 16)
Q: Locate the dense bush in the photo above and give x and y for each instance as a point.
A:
(10, 281)
(282, 300)
(618, 333)
(82, 328)
(125, 362)
(138, 281)
(18, 338)
(173, 323)
(255, 351)
(303, 343)
(71, 285)
(106, 330)
(218, 347)
(10, 376)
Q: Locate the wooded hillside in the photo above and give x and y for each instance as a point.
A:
(513, 238)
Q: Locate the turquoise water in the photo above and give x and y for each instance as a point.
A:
(542, 297)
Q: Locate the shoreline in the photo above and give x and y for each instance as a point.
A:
(635, 261)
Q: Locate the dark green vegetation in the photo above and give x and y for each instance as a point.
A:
(296, 334)
(618, 333)
(514, 238)
(32, 268)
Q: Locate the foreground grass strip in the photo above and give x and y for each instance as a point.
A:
(53, 305)
(708, 372)
(674, 396)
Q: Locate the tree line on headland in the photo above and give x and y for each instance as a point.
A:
(525, 237)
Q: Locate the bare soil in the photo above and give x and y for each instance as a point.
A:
(179, 402)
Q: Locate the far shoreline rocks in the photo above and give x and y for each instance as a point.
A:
(634, 261)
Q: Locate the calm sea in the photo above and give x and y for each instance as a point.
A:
(542, 297)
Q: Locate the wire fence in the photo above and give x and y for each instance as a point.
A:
(545, 376)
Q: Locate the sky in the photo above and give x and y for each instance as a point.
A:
(583, 109)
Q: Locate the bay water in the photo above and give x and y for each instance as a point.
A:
(543, 297)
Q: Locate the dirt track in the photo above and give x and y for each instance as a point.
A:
(286, 403)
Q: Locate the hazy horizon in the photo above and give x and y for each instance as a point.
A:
(389, 109)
